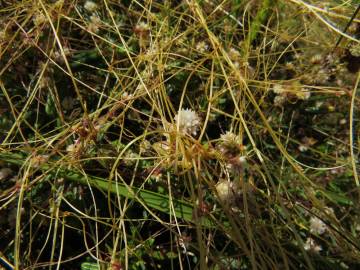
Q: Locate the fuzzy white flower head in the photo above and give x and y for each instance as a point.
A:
(229, 137)
(39, 19)
(225, 191)
(311, 245)
(95, 19)
(278, 89)
(142, 27)
(94, 24)
(187, 121)
(303, 148)
(329, 211)
(90, 6)
(279, 101)
(317, 226)
(355, 50)
(234, 54)
(316, 59)
(202, 46)
(237, 164)
(71, 148)
(229, 142)
(303, 94)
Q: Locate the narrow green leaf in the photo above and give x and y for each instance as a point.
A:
(151, 199)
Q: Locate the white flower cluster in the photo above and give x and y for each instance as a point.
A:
(39, 19)
(311, 245)
(94, 24)
(229, 140)
(317, 226)
(202, 46)
(288, 92)
(226, 191)
(90, 6)
(142, 27)
(187, 121)
(355, 50)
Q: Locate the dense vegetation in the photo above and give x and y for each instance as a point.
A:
(189, 134)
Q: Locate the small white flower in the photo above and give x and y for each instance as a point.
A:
(126, 95)
(279, 101)
(318, 104)
(242, 160)
(229, 138)
(234, 54)
(95, 19)
(90, 6)
(39, 19)
(237, 164)
(142, 27)
(95, 23)
(303, 94)
(342, 121)
(225, 191)
(74, 147)
(278, 89)
(316, 59)
(187, 121)
(202, 46)
(71, 148)
(329, 211)
(355, 50)
(229, 146)
(317, 226)
(311, 245)
(303, 148)
(130, 158)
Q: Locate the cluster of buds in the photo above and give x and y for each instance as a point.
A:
(230, 149)
(227, 191)
(142, 30)
(291, 92)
